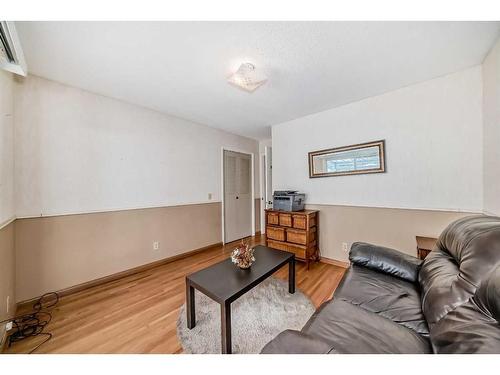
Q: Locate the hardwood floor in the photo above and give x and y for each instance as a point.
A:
(138, 313)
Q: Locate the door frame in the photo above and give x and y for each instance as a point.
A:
(262, 169)
(233, 149)
(266, 180)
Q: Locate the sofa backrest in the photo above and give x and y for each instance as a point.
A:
(466, 253)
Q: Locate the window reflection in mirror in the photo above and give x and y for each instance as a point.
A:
(355, 159)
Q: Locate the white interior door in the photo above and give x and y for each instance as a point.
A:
(237, 195)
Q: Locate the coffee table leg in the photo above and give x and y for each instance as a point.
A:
(225, 315)
(291, 276)
(190, 307)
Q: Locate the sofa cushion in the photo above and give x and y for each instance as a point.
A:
(466, 253)
(487, 296)
(466, 329)
(351, 329)
(388, 296)
(474, 326)
(295, 342)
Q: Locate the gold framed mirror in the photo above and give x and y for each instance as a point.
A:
(348, 160)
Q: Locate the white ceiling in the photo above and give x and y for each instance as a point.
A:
(180, 68)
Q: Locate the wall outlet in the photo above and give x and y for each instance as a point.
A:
(156, 245)
(345, 247)
(8, 326)
(209, 196)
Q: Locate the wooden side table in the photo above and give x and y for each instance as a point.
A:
(425, 246)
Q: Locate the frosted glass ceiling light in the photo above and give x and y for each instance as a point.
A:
(247, 77)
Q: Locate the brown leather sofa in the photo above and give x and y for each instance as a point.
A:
(389, 302)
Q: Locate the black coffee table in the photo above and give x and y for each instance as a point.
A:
(224, 282)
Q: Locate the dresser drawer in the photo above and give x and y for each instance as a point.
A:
(275, 233)
(296, 236)
(277, 245)
(286, 220)
(299, 221)
(300, 236)
(299, 251)
(273, 218)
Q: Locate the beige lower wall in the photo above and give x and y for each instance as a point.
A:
(58, 252)
(389, 227)
(7, 272)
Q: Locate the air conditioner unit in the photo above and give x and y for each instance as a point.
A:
(11, 53)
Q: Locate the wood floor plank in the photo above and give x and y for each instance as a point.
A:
(138, 313)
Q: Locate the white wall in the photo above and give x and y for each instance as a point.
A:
(81, 152)
(434, 153)
(6, 147)
(491, 113)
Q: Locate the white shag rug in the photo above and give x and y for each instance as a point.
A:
(256, 318)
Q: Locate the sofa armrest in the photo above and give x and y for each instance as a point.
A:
(385, 260)
(295, 342)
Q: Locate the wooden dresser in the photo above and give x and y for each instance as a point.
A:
(296, 232)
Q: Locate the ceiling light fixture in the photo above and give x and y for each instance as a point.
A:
(247, 77)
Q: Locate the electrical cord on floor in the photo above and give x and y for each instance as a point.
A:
(33, 323)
